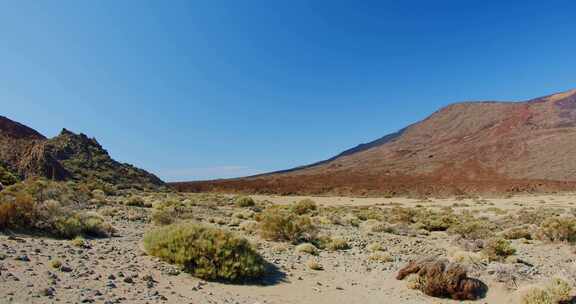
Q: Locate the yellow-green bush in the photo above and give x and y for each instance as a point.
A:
(136, 201)
(244, 201)
(558, 229)
(6, 177)
(516, 233)
(90, 224)
(306, 248)
(205, 252)
(49, 207)
(553, 292)
(498, 249)
(473, 229)
(337, 244)
(277, 224)
(304, 206)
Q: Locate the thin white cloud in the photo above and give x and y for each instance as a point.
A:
(189, 174)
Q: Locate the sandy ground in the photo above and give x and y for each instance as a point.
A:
(116, 270)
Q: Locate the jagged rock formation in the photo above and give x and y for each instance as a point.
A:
(26, 153)
(464, 147)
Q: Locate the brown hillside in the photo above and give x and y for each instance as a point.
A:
(25, 153)
(465, 147)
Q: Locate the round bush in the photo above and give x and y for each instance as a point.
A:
(245, 201)
(205, 252)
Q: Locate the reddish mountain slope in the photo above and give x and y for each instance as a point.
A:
(464, 147)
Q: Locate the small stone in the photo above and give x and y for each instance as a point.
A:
(23, 258)
(65, 268)
(47, 292)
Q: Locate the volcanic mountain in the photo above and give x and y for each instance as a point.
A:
(468, 147)
(26, 153)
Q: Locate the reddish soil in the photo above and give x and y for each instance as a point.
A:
(471, 147)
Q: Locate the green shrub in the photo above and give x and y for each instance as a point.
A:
(435, 221)
(91, 224)
(6, 177)
(207, 253)
(304, 206)
(281, 225)
(498, 249)
(244, 201)
(473, 229)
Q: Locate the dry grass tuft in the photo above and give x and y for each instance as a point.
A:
(553, 292)
(307, 248)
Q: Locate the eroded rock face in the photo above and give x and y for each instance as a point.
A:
(28, 153)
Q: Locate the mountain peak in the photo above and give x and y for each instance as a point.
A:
(66, 156)
(17, 130)
(464, 147)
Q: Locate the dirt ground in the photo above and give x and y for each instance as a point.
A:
(117, 270)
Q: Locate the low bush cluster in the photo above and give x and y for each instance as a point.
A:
(205, 252)
(6, 177)
(558, 229)
(244, 201)
(277, 224)
(49, 207)
(498, 249)
(554, 292)
(304, 206)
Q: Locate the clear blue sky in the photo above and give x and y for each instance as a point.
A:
(205, 89)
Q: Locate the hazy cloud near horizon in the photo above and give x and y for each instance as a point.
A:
(189, 174)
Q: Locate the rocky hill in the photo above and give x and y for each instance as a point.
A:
(465, 147)
(26, 153)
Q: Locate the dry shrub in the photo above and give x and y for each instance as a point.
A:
(136, 201)
(375, 226)
(558, 229)
(498, 249)
(304, 206)
(380, 257)
(553, 292)
(307, 248)
(375, 247)
(516, 233)
(442, 279)
(337, 244)
(314, 264)
(249, 226)
(244, 201)
(49, 207)
(465, 257)
(435, 221)
(281, 225)
(473, 229)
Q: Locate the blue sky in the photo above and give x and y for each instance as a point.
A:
(206, 89)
